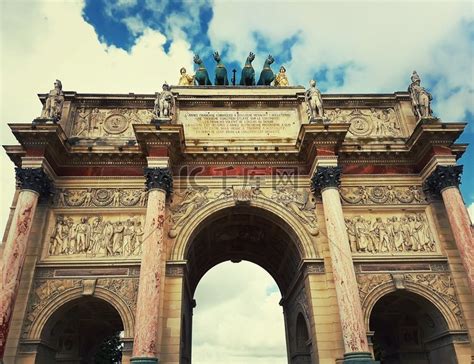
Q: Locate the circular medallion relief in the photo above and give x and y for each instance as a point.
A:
(115, 124)
(360, 126)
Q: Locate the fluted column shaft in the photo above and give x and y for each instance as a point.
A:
(159, 182)
(445, 181)
(33, 183)
(356, 348)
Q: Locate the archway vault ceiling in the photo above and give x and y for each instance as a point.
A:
(243, 233)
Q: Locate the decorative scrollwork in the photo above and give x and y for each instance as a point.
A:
(100, 197)
(366, 195)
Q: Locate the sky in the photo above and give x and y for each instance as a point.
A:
(127, 46)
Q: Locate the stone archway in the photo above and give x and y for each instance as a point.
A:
(408, 328)
(82, 331)
(254, 234)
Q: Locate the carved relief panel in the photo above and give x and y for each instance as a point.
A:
(386, 233)
(101, 236)
(93, 123)
(369, 123)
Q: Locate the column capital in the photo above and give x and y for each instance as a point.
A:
(34, 179)
(325, 177)
(159, 178)
(443, 177)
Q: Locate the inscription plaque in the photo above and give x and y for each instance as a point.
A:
(233, 125)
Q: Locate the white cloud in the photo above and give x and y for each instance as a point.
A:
(236, 319)
(470, 209)
(383, 42)
(42, 41)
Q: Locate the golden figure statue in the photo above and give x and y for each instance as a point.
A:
(280, 79)
(185, 79)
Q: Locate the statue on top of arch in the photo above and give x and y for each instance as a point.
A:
(420, 98)
(53, 106)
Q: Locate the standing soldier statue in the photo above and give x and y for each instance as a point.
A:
(54, 103)
(314, 102)
(420, 98)
(164, 103)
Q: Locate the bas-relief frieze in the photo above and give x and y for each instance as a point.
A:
(100, 197)
(91, 123)
(366, 195)
(440, 284)
(96, 236)
(390, 234)
(372, 123)
(300, 204)
(45, 290)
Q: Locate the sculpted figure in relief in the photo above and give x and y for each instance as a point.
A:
(300, 204)
(281, 79)
(54, 103)
(408, 233)
(314, 101)
(420, 98)
(91, 237)
(193, 200)
(185, 79)
(164, 102)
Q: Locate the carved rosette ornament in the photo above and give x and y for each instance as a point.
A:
(159, 178)
(443, 177)
(34, 179)
(326, 177)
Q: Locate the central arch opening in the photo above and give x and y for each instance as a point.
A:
(250, 234)
(237, 318)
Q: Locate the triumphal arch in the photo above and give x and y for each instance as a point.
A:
(350, 202)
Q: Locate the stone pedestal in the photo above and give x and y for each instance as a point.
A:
(33, 182)
(445, 181)
(356, 349)
(158, 183)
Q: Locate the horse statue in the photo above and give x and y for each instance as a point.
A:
(248, 73)
(201, 76)
(221, 71)
(267, 76)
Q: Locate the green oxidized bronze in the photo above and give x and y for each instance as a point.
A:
(221, 71)
(248, 73)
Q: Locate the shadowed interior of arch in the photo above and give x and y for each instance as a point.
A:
(245, 233)
(409, 329)
(81, 331)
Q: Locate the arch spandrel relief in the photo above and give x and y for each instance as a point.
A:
(299, 202)
(94, 236)
(193, 205)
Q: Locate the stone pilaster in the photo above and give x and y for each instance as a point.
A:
(356, 349)
(34, 183)
(445, 180)
(159, 184)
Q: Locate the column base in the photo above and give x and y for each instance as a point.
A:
(139, 360)
(359, 358)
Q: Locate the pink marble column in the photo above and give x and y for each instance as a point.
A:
(445, 180)
(356, 349)
(159, 182)
(33, 182)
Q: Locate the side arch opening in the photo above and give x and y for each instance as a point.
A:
(410, 329)
(83, 330)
